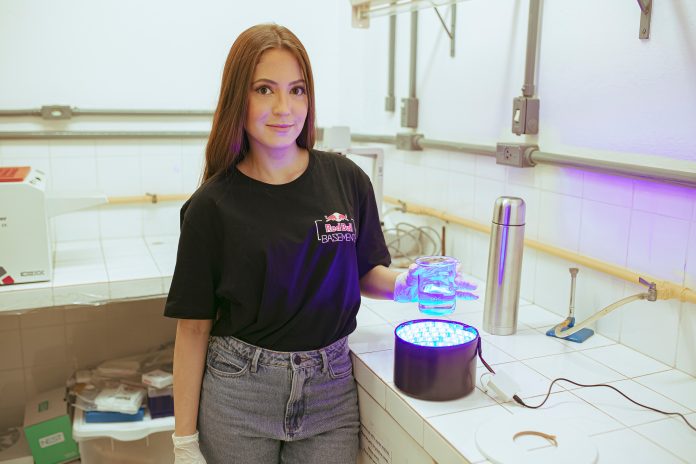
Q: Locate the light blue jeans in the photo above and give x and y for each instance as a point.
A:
(260, 406)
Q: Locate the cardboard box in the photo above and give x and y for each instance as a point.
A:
(18, 452)
(48, 428)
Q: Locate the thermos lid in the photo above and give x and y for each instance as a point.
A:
(509, 211)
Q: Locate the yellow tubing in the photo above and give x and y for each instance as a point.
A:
(153, 198)
(666, 290)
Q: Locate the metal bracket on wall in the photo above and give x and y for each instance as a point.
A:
(645, 15)
(525, 115)
(56, 112)
(515, 154)
(453, 24)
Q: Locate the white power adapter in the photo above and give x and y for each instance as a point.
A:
(502, 385)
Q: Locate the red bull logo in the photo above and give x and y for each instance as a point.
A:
(336, 228)
(338, 217)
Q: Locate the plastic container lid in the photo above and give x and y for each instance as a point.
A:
(124, 431)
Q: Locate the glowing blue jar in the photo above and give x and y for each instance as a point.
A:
(437, 292)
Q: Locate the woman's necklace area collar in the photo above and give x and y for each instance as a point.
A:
(302, 175)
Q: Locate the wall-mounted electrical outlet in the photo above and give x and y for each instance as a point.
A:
(515, 154)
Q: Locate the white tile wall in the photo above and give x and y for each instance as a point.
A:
(658, 245)
(565, 181)
(460, 194)
(690, 272)
(560, 217)
(486, 192)
(531, 197)
(686, 346)
(608, 189)
(643, 225)
(652, 328)
(604, 231)
(665, 199)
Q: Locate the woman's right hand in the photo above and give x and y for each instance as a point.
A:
(186, 450)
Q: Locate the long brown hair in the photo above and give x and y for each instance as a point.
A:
(228, 142)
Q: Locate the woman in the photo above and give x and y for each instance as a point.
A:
(276, 247)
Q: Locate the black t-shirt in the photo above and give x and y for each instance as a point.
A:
(278, 265)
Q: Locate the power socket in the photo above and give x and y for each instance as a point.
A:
(515, 154)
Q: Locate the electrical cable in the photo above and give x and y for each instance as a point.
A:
(548, 394)
(480, 354)
(519, 400)
(410, 242)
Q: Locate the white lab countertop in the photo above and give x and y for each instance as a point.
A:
(95, 272)
(621, 431)
(99, 271)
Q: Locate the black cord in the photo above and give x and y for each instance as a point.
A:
(478, 350)
(519, 400)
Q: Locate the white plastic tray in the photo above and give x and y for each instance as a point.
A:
(124, 431)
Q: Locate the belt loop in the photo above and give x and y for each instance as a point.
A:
(324, 361)
(255, 359)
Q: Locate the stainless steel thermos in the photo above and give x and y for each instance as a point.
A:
(504, 267)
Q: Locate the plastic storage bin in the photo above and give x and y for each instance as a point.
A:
(156, 448)
(145, 442)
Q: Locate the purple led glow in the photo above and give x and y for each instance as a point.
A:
(503, 244)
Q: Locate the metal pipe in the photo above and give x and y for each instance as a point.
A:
(22, 113)
(485, 150)
(528, 88)
(370, 138)
(50, 135)
(100, 112)
(390, 102)
(110, 112)
(453, 25)
(414, 55)
(571, 306)
(685, 176)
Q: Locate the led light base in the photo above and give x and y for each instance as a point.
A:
(435, 359)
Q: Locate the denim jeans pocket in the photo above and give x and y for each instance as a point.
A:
(226, 365)
(341, 366)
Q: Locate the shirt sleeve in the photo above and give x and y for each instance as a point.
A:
(192, 292)
(371, 248)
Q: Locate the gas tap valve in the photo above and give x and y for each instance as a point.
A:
(652, 289)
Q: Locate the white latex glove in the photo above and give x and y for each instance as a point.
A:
(406, 285)
(462, 286)
(186, 450)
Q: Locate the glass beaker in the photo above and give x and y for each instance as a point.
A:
(437, 292)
